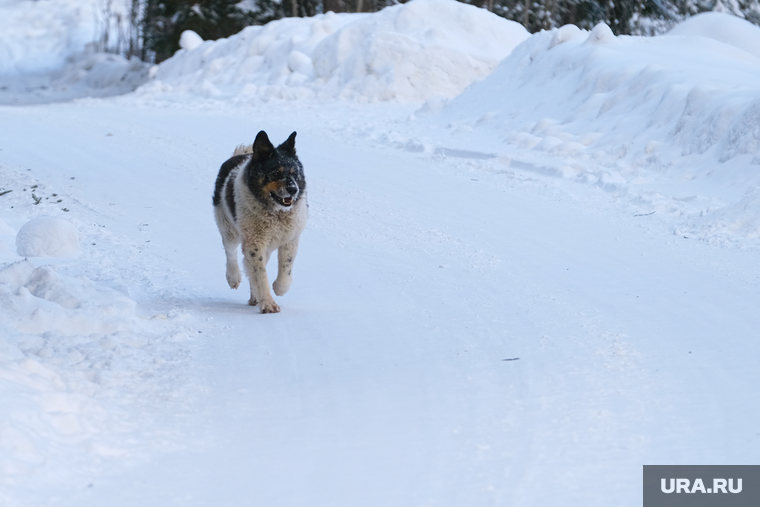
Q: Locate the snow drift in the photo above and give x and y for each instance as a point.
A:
(86, 73)
(39, 36)
(70, 336)
(64, 341)
(625, 112)
(648, 101)
(48, 53)
(725, 28)
(407, 52)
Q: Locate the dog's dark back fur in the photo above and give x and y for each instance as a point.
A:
(224, 171)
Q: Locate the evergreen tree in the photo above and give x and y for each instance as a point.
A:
(165, 20)
(624, 17)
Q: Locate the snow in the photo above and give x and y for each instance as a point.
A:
(40, 35)
(408, 52)
(47, 237)
(513, 288)
(189, 40)
(629, 114)
(47, 53)
(721, 27)
(85, 73)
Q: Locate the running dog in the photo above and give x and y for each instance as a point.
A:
(260, 201)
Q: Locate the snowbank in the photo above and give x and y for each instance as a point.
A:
(407, 52)
(721, 27)
(47, 53)
(737, 224)
(85, 73)
(40, 35)
(621, 112)
(47, 237)
(74, 347)
(644, 98)
(43, 301)
(64, 342)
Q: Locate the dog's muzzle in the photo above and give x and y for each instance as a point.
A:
(286, 200)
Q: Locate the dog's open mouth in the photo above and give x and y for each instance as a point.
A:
(282, 201)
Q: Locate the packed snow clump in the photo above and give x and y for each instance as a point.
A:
(189, 40)
(407, 52)
(47, 237)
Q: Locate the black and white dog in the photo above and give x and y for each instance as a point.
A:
(260, 201)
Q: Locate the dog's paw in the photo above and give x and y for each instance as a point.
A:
(270, 307)
(281, 286)
(252, 301)
(233, 278)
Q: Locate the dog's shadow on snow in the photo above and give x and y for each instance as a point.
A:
(208, 305)
(215, 306)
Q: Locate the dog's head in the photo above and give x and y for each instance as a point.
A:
(275, 175)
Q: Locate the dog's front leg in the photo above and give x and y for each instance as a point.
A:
(256, 257)
(233, 271)
(286, 255)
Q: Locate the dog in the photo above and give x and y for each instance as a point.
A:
(260, 201)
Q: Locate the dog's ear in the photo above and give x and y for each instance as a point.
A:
(262, 147)
(289, 146)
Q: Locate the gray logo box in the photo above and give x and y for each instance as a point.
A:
(701, 485)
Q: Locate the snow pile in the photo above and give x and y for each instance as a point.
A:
(414, 51)
(66, 342)
(622, 112)
(736, 224)
(40, 35)
(255, 62)
(86, 73)
(39, 300)
(47, 237)
(644, 101)
(48, 53)
(77, 359)
(407, 52)
(721, 27)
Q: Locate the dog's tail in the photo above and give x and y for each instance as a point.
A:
(243, 150)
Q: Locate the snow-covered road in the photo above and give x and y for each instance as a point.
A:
(458, 332)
